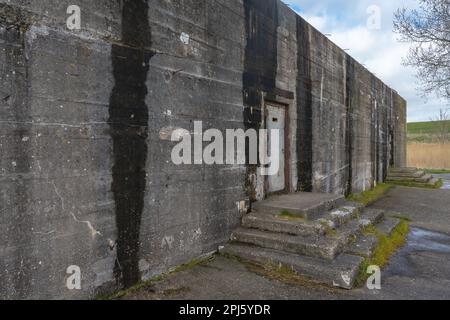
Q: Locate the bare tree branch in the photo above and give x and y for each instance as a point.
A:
(428, 30)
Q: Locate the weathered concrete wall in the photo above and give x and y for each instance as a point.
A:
(87, 178)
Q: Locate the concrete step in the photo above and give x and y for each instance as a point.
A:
(416, 174)
(273, 223)
(340, 216)
(299, 226)
(341, 272)
(364, 246)
(388, 225)
(433, 181)
(362, 218)
(319, 247)
(403, 170)
(371, 217)
(303, 204)
(331, 253)
(423, 179)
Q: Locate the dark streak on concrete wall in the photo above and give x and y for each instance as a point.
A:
(260, 64)
(304, 107)
(373, 129)
(349, 97)
(129, 117)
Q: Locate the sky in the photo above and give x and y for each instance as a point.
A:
(378, 48)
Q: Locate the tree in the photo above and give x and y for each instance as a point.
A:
(442, 133)
(428, 30)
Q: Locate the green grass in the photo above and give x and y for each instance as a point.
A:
(436, 171)
(424, 131)
(409, 184)
(369, 197)
(387, 246)
(429, 127)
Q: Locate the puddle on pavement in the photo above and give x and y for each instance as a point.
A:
(419, 240)
(424, 240)
(445, 179)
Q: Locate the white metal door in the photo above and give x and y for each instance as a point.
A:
(276, 120)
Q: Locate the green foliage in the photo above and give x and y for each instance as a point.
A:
(425, 132)
(286, 215)
(436, 171)
(387, 246)
(370, 196)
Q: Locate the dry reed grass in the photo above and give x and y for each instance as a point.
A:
(429, 155)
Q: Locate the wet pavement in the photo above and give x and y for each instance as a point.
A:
(445, 179)
(420, 270)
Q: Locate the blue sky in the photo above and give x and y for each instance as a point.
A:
(378, 49)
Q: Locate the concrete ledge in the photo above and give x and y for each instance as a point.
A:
(272, 223)
(320, 247)
(363, 247)
(388, 225)
(303, 204)
(340, 272)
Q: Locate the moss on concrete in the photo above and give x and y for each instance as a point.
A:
(286, 215)
(145, 284)
(369, 197)
(172, 292)
(387, 246)
(329, 231)
(409, 184)
(191, 264)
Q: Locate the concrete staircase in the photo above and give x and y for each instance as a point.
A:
(413, 175)
(319, 236)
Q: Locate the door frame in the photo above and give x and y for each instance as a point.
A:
(287, 146)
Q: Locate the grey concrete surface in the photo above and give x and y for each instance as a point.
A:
(86, 175)
(303, 203)
(427, 208)
(420, 270)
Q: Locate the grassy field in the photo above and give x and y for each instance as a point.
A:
(423, 127)
(425, 131)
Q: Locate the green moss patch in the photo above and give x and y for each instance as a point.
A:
(191, 264)
(436, 171)
(286, 215)
(369, 197)
(409, 184)
(387, 246)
